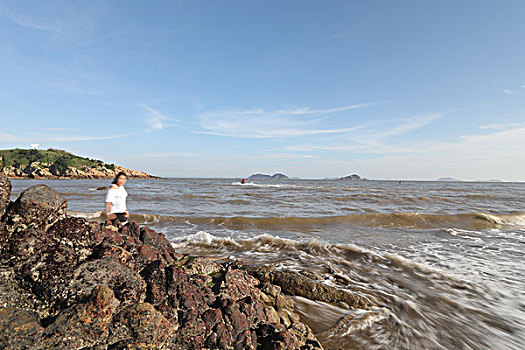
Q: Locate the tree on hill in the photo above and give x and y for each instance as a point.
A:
(59, 166)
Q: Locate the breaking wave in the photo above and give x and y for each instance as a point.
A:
(474, 221)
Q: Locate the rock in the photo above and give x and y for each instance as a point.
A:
(277, 176)
(127, 284)
(140, 326)
(5, 193)
(39, 206)
(19, 329)
(353, 177)
(84, 324)
(293, 283)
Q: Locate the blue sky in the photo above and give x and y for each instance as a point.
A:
(314, 89)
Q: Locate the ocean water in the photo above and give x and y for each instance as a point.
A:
(444, 261)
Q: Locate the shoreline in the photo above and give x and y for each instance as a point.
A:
(67, 282)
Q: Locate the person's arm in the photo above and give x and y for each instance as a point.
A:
(108, 209)
(109, 199)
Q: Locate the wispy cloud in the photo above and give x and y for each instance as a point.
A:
(32, 138)
(57, 129)
(410, 124)
(508, 92)
(27, 20)
(503, 126)
(371, 138)
(283, 123)
(156, 120)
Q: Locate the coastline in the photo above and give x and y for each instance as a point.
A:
(73, 174)
(70, 283)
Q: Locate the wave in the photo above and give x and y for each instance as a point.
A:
(475, 221)
(299, 254)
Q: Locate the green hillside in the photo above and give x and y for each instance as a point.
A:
(51, 158)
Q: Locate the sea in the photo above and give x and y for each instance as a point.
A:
(443, 262)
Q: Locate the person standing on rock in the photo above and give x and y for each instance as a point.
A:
(116, 209)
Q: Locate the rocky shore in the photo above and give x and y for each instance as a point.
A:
(39, 171)
(66, 283)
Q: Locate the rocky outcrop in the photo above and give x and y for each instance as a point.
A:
(353, 177)
(44, 172)
(277, 176)
(66, 283)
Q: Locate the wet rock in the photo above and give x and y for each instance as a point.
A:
(5, 193)
(199, 266)
(293, 283)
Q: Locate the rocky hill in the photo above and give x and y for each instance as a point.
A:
(58, 164)
(277, 176)
(353, 177)
(66, 283)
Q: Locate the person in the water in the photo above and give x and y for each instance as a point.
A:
(243, 181)
(116, 209)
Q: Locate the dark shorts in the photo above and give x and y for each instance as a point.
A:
(121, 217)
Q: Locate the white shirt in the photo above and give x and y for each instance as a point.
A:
(117, 198)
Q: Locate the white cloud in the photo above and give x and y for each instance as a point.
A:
(411, 124)
(4, 138)
(156, 120)
(503, 126)
(508, 92)
(370, 139)
(283, 123)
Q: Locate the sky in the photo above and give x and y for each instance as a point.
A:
(413, 90)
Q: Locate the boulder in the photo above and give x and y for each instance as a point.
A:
(39, 206)
(83, 324)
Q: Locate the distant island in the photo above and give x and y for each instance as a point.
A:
(353, 177)
(448, 179)
(58, 164)
(277, 176)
